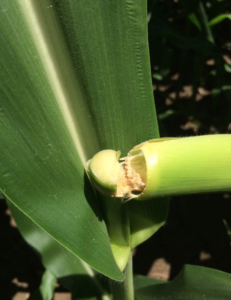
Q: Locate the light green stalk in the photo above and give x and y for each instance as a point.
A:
(168, 167)
(104, 177)
(204, 22)
(124, 290)
(117, 220)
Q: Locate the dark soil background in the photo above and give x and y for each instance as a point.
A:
(191, 71)
(21, 268)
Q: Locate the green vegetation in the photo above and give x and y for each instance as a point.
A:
(75, 79)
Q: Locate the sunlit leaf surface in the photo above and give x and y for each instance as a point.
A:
(193, 283)
(74, 79)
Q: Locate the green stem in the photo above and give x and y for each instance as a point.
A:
(182, 166)
(117, 220)
(204, 23)
(176, 166)
(124, 290)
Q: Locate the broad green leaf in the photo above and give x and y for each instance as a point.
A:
(143, 281)
(72, 272)
(193, 283)
(219, 19)
(74, 78)
(146, 218)
(46, 288)
(110, 54)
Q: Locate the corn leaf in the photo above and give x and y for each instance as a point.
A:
(60, 263)
(193, 283)
(218, 19)
(46, 288)
(193, 18)
(74, 79)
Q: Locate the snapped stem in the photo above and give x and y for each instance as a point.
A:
(176, 166)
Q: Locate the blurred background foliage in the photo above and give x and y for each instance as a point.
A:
(190, 53)
(190, 50)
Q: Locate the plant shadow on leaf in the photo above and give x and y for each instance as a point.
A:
(81, 285)
(92, 200)
(70, 271)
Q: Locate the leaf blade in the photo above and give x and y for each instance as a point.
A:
(218, 19)
(60, 263)
(192, 283)
(34, 179)
(41, 62)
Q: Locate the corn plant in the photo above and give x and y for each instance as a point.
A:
(75, 80)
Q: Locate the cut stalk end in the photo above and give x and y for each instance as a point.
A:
(135, 173)
(124, 179)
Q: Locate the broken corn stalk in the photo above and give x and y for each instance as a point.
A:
(165, 167)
